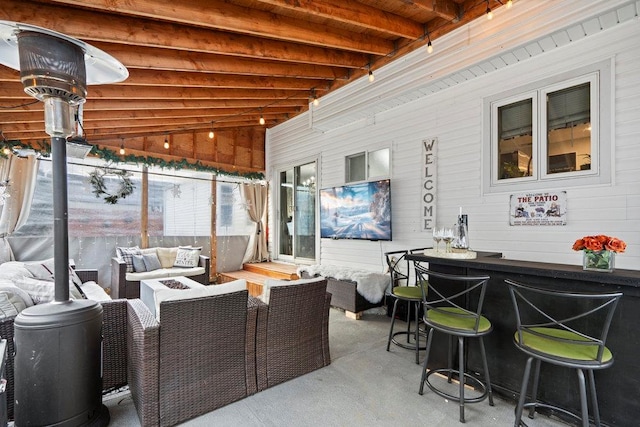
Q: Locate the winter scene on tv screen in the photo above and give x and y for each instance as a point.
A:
(358, 211)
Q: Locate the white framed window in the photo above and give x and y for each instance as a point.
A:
(546, 133)
(368, 165)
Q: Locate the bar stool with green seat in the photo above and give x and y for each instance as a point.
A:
(453, 306)
(402, 290)
(566, 329)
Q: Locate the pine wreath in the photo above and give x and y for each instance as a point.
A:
(100, 189)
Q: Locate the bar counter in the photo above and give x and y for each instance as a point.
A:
(618, 387)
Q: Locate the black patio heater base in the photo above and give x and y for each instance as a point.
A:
(58, 358)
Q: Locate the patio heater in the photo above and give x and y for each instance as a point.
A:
(58, 345)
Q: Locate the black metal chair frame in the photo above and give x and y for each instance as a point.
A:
(401, 275)
(436, 299)
(601, 303)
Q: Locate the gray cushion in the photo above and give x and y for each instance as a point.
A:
(151, 262)
(138, 263)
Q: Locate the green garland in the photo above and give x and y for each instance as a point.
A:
(99, 188)
(112, 157)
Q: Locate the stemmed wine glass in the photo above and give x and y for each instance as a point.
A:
(447, 236)
(437, 236)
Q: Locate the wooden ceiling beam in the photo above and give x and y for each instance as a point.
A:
(359, 15)
(222, 15)
(184, 79)
(254, 97)
(141, 114)
(446, 9)
(175, 60)
(141, 32)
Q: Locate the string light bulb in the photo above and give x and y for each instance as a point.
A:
(509, 4)
(314, 98)
(211, 134)
(429, 47)
(261, 121)
(166, 143)
(489, 13)
(122, 148)
(371, 76)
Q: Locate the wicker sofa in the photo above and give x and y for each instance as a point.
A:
(114, 344)
(127, 284)
(237, 346)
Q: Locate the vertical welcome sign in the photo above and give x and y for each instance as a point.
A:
(429, 184)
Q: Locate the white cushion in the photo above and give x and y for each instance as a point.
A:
(14, 270)
(187, 257)
(167, 256)
(197, 292)
(272, 283)
(94, 292)
(164, 273)
(42, 270)
(10, 287)
(42, 291)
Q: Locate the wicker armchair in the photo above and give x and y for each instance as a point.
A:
(199, 358)
(294, 331)
(114, 373)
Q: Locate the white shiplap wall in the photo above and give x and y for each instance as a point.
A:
(401, 118)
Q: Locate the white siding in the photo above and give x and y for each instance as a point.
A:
(402, 108)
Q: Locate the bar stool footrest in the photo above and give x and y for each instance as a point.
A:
(409, 345)
(470, 380)
(536, 405)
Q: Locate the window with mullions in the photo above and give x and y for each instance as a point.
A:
(551, 130)
(367, 165)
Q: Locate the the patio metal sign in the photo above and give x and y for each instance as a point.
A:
(538, 208)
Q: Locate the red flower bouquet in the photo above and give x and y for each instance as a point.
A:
(599, 251)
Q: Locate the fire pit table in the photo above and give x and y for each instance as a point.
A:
(151, 287)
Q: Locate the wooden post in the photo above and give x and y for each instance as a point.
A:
(144, 209)
(213, 268)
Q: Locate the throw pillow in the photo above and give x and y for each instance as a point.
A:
(151, 262)
(75, 285)
(41, 270)
(272, 283)
(187, 257)
(126, 254)
(138, 263)
(167, 256)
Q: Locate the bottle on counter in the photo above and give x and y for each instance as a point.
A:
(461, 240)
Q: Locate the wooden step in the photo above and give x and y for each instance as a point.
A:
(256, 274)
(276, 270)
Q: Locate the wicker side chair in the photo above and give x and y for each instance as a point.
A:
(114, 362)
(200, 357)
(295, 331)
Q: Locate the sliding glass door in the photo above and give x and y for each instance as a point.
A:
(297, 213)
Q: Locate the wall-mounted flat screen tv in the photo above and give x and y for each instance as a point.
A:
(356, 211)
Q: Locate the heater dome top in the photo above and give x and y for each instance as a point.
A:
(101, 68)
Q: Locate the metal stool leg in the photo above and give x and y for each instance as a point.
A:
(523, 392)
(393, 320)
(426, 361)
(417, 329)
(461, 378)
(449, 356)
(534, 389)
(583, 398)
(485, 365)
(594, 398)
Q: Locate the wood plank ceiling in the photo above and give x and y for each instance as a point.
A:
(200, 64)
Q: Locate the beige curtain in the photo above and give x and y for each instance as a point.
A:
(255, 198)
(21, 173)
